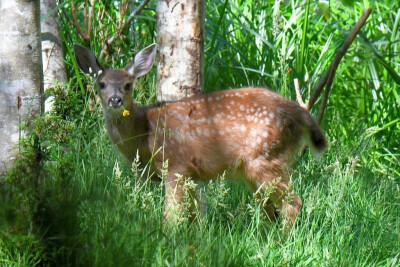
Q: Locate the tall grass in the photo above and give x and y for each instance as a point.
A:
(73, 201)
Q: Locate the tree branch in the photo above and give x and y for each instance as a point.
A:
(327, 79)
(84, 35)
(340, 54)
(120, 28)
(298, 94)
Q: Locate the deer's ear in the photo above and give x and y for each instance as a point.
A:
(143, 61)
(87, 61)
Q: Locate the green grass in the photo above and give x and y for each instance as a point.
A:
(73, 201)
(109, 217)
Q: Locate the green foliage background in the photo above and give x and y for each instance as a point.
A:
(71, 200)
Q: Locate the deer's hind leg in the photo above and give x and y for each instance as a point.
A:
(271, 189)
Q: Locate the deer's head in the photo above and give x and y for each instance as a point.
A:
(115, 85)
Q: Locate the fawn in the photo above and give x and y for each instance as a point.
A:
(253, 132)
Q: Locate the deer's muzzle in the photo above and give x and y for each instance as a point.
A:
(115, 102)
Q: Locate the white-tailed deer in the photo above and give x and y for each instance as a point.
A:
(252, 131)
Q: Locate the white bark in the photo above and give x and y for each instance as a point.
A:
(180, 31)
(52, 52)
(20, 73)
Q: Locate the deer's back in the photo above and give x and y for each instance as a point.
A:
(209, 133)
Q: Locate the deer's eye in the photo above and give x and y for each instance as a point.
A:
(128, 86)
(102, 85)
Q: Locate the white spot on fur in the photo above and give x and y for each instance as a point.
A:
(249, 118)
(258, 140)
(214, 120)
(266, 146)
(231, 117)
(253, 132)
(202, 120)
(260, 158)
(257, 162)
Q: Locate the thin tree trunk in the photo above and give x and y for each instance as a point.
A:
(52, 51)
(20, 74)
(180, 31)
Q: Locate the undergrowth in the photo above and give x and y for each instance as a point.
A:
(71, 199)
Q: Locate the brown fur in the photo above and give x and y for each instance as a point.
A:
(252, 132)
(203, 136)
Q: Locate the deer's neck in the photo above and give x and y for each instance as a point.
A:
(128, 133)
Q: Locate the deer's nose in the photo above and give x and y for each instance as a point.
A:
(115, 101)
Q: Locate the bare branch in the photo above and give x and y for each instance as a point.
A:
(298, 94)
(327, 78)
(121, 27)
(134, 13)
(90, 20)
(323, 103)
(75, 22)
(85, 16)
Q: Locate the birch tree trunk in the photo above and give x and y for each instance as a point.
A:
(180, 31)
(52, 51)
(20, 73)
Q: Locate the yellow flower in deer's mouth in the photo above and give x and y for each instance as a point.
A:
(125, 113)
